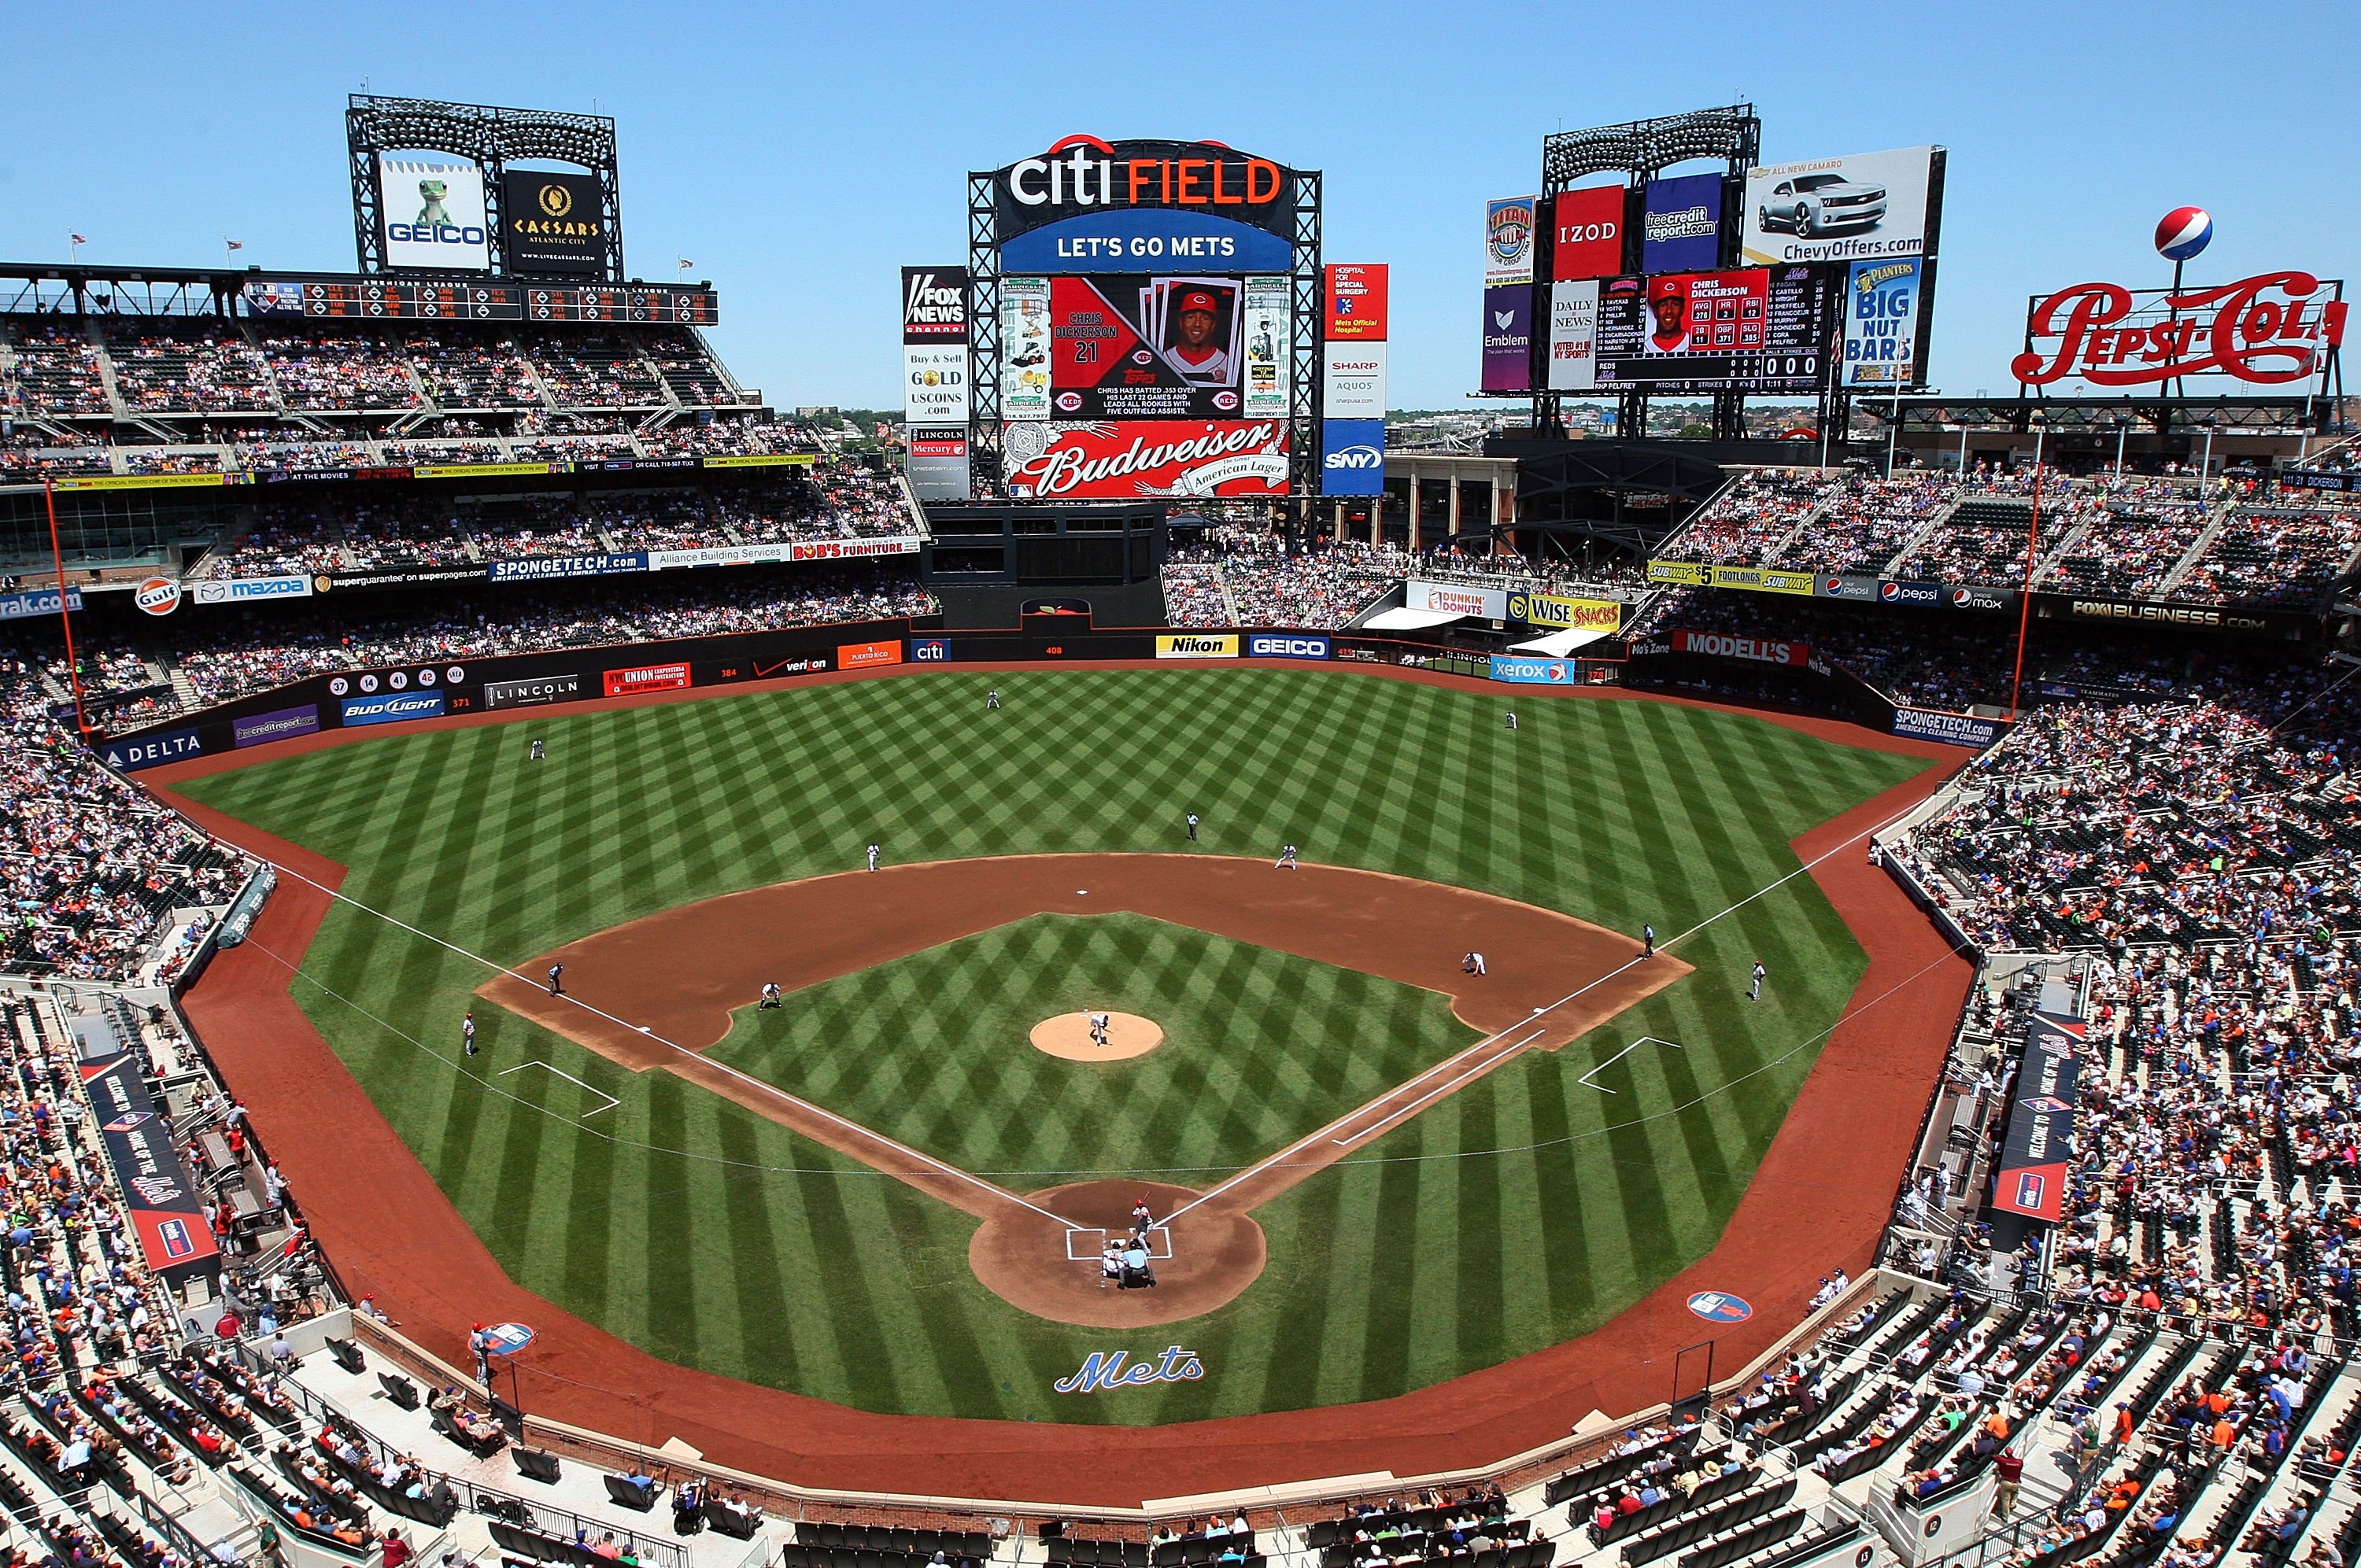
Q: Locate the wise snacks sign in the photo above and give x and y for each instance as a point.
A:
(2267, 329)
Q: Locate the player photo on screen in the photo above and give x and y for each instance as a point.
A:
(1707, 313)
(1134, 347)
(1197, 321)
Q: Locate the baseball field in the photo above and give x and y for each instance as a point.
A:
(833, 1247)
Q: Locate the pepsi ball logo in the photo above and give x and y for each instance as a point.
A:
(2184, 231)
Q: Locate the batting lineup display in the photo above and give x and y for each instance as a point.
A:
(1758, 329)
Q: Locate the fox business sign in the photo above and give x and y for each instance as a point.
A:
(433, 215)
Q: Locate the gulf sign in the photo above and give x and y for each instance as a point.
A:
(158, 595)
(1356, 301)
(2267, 330)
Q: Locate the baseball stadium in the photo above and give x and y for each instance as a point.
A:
(1147, 962)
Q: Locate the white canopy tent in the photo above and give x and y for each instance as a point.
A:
(1558, 644)
(1409, 619)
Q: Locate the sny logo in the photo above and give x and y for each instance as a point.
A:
(1356, 457)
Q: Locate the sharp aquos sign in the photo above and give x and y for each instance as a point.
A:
(1140, 458)
(2267, 329)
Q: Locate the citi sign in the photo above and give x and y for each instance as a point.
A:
(1077, 179)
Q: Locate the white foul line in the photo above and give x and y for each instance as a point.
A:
(721, 1066)
(611, 1100)
(1619, 1056)
(1444, 1088)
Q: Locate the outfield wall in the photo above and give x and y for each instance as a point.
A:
(396, 694)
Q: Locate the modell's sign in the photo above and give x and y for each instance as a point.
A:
(2271, 328)
(1146, 458)
(1754, 650)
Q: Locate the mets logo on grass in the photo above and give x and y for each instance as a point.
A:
(1721, 1307)
(1104, 1369)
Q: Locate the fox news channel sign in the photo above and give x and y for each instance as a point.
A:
(1089, 205)
(1863, 206)
(934, 346)
(433, 215)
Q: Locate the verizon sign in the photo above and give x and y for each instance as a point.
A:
(2267, 330)
(1147, 458)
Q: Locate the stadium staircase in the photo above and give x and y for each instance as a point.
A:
(1939, 519)
(2215, 518)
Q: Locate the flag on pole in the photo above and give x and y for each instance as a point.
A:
(77, 239)
(234, 243)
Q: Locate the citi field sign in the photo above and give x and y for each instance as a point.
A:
(1088, 205)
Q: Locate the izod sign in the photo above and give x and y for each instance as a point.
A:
(158, 595)
(1586, 234)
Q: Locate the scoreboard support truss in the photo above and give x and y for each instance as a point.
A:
(489, 137)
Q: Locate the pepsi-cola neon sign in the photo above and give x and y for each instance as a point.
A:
(2269, 329)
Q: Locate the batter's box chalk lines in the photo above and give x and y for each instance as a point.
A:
(1091, 1250)
(611, 1100)
(1619, 1056)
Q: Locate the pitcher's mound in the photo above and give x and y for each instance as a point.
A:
(1069, 1036)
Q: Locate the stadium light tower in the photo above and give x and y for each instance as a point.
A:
(2032, 548)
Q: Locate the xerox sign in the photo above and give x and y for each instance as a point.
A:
(1285, 645)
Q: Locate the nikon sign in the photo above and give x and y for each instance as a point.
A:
(552, 224)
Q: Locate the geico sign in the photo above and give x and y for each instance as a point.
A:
(434, 234)
(2272, 327)
(1355, 457)
(1088, 175)
(1275, 647)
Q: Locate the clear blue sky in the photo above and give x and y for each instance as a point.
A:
(800, 155)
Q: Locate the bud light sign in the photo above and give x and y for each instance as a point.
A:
(1353, 457)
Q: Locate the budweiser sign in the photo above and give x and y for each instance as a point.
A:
(1140, 458)
(2271, 328)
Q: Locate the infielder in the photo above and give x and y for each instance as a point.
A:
(556, 974)
(467, 1030)
(1192, 828)
(873, 857)
(1285, 861)
(1755, 993)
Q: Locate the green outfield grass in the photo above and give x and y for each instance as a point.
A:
(713, 1237)
(1259, 1047)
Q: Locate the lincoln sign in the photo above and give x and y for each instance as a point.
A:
(2270, 329)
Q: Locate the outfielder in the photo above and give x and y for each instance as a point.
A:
(467, 1030)
(873, 857)
(536, 751)
(1755, 993)
(992, 699)
(1192, 828)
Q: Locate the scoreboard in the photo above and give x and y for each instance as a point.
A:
(375, 298)
(1765, 329)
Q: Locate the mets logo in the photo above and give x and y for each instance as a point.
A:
(555, 201)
